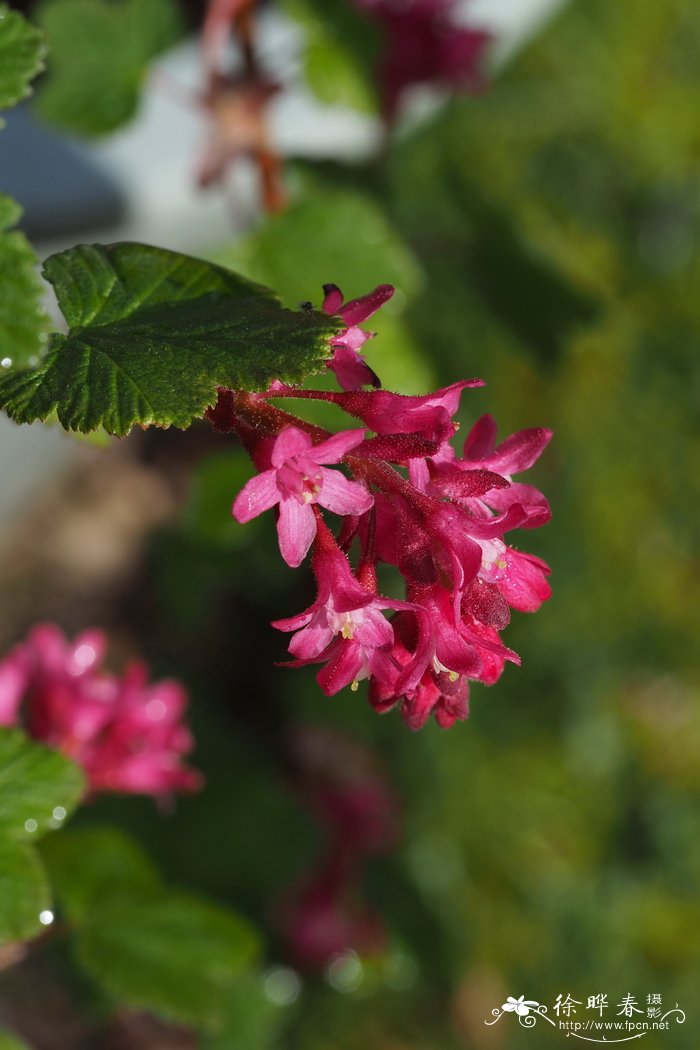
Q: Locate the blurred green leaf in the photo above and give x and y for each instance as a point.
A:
(38, 789)
(341, 49)
(214, 485)
(252, 1019)
(24, 891)
(22, 53)
(99, 55)
(352, 244)
(34, 783)
(175, 955)
(91, 865)
(152, 335)
(10, 212)
(23, 320)
(147, 946)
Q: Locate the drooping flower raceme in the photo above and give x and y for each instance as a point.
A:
(406, 497)
(325, 913)
(126, 733)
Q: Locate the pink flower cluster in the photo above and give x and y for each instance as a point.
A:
(412, 501)
(325, 913)
(126, 733)
(424, 42)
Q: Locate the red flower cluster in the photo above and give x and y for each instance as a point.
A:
(412, 502)
(126, 733)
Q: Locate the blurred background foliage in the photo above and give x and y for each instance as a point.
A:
(545, 237)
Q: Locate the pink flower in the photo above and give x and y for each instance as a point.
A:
(125, 732)
(345, 628)
(297, 480)
(438, 652)
(439, 519)
(325, 915)
(350, 368)
(425, 44)
(14, 676)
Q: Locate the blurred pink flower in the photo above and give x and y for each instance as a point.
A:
(126, 732)
(425, 43)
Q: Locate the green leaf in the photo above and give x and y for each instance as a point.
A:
(23, 320)
(176, 955)
(24, 891)
(341, 50)
(38, 787)
(146, 946)
(99, 54)
(89, 866)
(22, 52)
(152, 335)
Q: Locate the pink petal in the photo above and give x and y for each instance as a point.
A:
(419, 474)
(256, 496)
(358, 310)
(526, 495)
(296, 528)
(376, 632)
(484, 529)
(294, 623)
(351, 370)
(520, 451)
(313, 640)
(481, 439)
(333, 450)
(524, 585)
(343, 667)
(342, 496)
(14, 680)
(455, 653)
(333, 299)
(290, 442)
(351, 338)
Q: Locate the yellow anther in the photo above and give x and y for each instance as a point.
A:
(355, 686)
